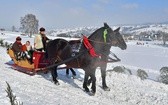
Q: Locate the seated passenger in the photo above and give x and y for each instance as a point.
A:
(17, 47)
(28, 46)
(19, 50)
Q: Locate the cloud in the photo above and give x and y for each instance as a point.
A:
(105, 1)
(130, 6)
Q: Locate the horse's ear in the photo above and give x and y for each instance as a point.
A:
(117, 30)
(106, 25)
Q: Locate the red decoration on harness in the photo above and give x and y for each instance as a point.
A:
(89, 47)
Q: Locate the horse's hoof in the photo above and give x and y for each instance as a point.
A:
(57, 83)
(86, 90)
(74, 77)
(106, 88)
(92, 93)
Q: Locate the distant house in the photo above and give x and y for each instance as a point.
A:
(146, 38)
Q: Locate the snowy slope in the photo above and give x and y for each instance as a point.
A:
(150, 28)
(125, 89)
(150, 58)
(126, 29)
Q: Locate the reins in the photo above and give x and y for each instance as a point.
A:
(99, 42)
(63, 62)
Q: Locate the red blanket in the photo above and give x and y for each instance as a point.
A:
(89, 47)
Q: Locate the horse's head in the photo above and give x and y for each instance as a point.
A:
(114, 37)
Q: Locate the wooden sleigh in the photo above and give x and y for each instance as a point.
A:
(24, 65)
(40, 64)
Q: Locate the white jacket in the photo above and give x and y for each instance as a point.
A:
(38, 44)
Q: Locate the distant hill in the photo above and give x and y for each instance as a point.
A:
(126, 29)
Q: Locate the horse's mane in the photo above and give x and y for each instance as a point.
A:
(95, 32)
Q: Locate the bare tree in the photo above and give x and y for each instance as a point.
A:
(29, 24)
(13, 28)
(164, 36)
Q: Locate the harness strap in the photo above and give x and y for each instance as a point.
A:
(60, 63)
(89, 47)
(99, 42)
(77, 62)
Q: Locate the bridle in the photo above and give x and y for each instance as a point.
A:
(107, 43)
(103, 42)
(100, 42)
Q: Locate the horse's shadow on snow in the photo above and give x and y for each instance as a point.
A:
(63, 78)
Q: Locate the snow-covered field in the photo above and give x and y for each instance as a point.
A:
(125, 89)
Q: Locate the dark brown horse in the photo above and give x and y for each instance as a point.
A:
(59, 50)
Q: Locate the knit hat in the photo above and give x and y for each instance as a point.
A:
(18, 38)
(42, 29)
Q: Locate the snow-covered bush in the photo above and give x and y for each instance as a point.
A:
(122, 69)
(4, 44)
(142, 74)
(1, 42)
(164, 75)
(7, 45)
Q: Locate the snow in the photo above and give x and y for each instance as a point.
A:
(149, 57)
(151, 28)
(125, 89)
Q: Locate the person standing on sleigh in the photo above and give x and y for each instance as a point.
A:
(40, 40)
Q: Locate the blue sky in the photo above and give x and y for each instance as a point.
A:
(54, 14)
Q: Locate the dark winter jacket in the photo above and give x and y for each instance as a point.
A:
(17, 47)
(44, 41)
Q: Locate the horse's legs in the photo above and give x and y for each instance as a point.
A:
(54, 75)
(73, 72)
(85, 82)
(93, 78)
(103, 75)
(67, 71)
(89, 81)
